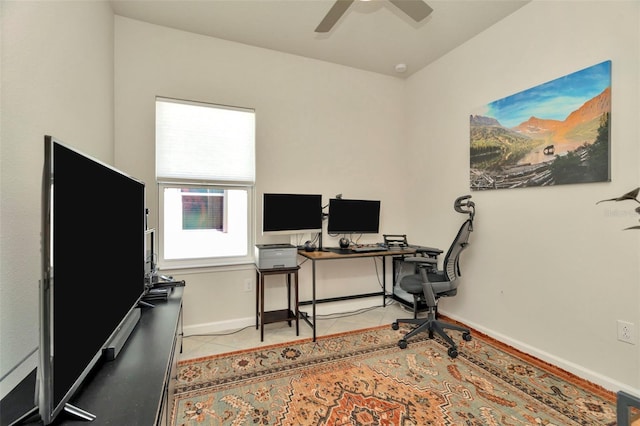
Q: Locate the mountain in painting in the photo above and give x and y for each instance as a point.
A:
(493, 145)
(581, 124)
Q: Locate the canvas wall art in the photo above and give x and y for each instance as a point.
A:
(555, 133)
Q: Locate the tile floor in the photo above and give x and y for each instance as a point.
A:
(249, 337)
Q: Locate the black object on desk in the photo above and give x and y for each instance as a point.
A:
(172, 283)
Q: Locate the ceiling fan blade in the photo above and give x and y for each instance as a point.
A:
(416, 9)
(335, 13)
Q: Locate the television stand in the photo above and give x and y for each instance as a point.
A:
(134, 389)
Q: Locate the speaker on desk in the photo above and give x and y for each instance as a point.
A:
(344, 243)
(309, 246)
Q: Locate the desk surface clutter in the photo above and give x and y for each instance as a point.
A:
(336, 253)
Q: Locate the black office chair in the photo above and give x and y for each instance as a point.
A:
(429, 284)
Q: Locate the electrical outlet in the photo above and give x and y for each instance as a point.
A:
(248, 285)
(626, 332)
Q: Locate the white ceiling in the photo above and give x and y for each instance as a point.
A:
(372, 35)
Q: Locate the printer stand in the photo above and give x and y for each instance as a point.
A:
(287, 314)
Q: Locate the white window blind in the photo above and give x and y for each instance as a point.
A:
(196, 142)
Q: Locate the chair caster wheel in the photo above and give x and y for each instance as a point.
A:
(402, 343)
(466, 337)
(395, 326)
(452, 352)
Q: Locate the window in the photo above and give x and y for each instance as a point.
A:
(205, 167)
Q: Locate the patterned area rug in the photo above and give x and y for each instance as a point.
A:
(363, 378)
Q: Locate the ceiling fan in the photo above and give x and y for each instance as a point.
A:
(415, 9)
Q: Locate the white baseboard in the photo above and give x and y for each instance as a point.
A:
(321, 309)
(584, 373)
(218, 327)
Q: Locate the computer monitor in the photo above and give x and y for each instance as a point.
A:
(291, 213)
(353, 216)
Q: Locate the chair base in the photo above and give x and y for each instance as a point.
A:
(432, 325)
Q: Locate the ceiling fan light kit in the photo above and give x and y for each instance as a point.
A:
(415, 9)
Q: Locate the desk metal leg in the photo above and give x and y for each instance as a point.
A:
(309, 319)
(384, 281)
(289, 296)
(297, 313)
(257, 298)
(261, 307)
(313, 298)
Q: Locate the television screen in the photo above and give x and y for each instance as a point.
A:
(291, 213)
(93, 227)
(353, 216)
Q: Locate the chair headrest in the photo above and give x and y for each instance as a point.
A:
(465, 205)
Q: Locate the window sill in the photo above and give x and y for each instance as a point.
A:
(203, 269)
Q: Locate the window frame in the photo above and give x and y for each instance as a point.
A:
(202, 176)
(164, 263)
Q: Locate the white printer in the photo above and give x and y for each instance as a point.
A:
(272, 256)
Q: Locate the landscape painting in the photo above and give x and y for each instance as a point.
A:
(555, 133)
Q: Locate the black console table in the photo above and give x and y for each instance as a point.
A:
(135, 388)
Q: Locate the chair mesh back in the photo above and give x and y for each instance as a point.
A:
(451, 261)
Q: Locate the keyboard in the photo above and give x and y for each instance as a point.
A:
(365, 249)
(337, 250)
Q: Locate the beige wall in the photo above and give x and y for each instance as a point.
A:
(57, 79)
(320, 128)
(549, 271)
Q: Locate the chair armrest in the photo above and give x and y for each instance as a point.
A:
(430, 251)
(421, 260)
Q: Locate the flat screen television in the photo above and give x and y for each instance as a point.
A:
(291, 213)
(353, 216)
(93, 242)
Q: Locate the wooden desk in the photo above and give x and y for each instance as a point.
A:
(263, 317)
(316, 256)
